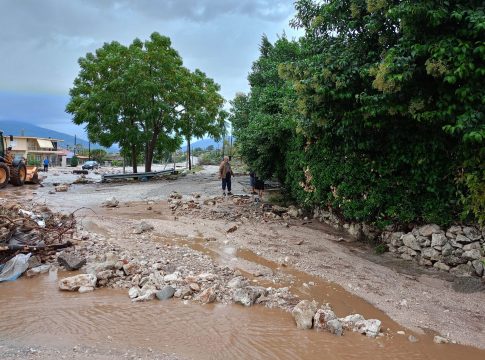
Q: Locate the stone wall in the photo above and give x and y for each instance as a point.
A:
(459, 250)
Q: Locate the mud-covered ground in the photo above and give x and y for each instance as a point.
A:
(238, 233)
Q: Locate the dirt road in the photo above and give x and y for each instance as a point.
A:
(312, 259)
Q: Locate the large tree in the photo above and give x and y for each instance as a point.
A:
(135, 96)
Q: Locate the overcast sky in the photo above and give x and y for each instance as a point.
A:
(41, 41)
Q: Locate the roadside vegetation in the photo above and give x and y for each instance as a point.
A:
(377, 112)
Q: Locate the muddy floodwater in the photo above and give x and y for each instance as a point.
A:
(35, 312)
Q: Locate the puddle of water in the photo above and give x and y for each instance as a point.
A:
(39, 314)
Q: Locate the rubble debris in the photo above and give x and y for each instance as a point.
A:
(36, 231)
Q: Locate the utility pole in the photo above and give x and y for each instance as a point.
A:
(89, 150)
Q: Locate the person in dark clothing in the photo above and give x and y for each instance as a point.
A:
(46, 164)
(259, 186)
(252, 181)
(225, 173)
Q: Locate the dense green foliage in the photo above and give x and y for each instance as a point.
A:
(143, 98)
(385, 121)
(74, 161)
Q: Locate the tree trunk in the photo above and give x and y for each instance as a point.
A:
(150, 149)
(134, 158)
(188, 153)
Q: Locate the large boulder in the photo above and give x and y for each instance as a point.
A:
(248, 295)
(463, 239)
(411, 242)
(370, 327)
(207, 296)
(463, 270)
(472, 233)
(428, 230)
(111, 202)
(349, 321)
(70, 261)
(471, 255)
(335, 327)
(143, 227)
(478, 266)
(431, 254)
(73, 283)
(438, 239)
(303, 314)
(322, 317)
(167, 292)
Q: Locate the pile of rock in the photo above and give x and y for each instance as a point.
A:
(307, 315)
(459, 250)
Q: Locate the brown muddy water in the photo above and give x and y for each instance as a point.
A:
(35, 312)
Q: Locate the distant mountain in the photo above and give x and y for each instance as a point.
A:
(203, 144)
(19, 128)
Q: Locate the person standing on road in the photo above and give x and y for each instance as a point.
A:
(46, 164)
(225, 173)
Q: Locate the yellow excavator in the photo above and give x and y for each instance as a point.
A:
(13, 169)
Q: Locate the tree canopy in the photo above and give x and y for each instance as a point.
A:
(384, 111)
(142, 97)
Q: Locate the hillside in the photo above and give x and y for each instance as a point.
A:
(19, 128)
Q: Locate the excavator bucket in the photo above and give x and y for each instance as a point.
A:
(32, 175)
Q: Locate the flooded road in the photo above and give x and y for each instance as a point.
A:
(35, 312)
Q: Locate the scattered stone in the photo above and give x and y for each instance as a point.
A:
(236, 283)
(400, 332)
(85, 289)
(134, 292)
(147, 293)
(334, 326)
(207, 296)
(440, 340)
(175, 195)
(70, 261)
(111, 202)
(370, 327)
(183, 292)
(143, 227)
(73, 283)
(167, 292)
(303, 314)
(131, 268)
(247, 296)
(194, 287)
(412, 338)
(296, 241)
(37, 270)
(172, 277)
(322, 317)
(231, 229)
(62, 188)
(350, 320)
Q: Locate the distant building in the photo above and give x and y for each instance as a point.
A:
(35, 149)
